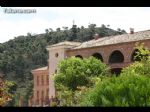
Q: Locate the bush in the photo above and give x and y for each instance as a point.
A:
(125, 90)
(139, 68)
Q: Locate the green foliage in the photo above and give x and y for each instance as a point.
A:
(142, 53)
(125, 90)
(75, 72)
(94, 67)
(53, 104)
(65, 95)
(5, 92)
(141, 67)
(71, 73)
(76, 76)
(138, 68)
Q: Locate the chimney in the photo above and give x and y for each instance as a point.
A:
(131, 30)
(96, 36)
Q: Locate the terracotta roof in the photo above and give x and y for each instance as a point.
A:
(40, 69)
(66, 43)
(142, 35)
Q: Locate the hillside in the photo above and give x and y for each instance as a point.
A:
(24, 53)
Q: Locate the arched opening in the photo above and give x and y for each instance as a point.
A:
(56, 55)
(116, 71)
(116, 57)
(98, 56)
(134, 56)
(79, 56)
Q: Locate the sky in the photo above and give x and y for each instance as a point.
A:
(13, 25)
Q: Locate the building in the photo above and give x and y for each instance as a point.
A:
(41, 87)
(116, 51)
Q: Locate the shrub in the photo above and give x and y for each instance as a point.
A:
(125, 90)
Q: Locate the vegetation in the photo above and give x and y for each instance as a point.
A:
(5, 92)
(75, 73)
(125, 90)
(24, 53)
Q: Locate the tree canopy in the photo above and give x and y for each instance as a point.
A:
(74, 72)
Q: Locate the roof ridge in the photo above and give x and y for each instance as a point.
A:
(114, 39)
(41, 68)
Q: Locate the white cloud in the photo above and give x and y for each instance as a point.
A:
(55, 17)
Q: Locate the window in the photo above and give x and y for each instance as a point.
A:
(47, 80)
(47, 92)
(116, 57)
(56, 55)
(37, 94)
(37, 101)
(42, 96)
(37, 80)
(98, 56)
(79, 56)
(42, 80)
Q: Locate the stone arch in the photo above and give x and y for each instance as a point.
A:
(116, 57)
(134, 53)
(98, 56)
(79, 56)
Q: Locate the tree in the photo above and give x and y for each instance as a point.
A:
(65, 28)
(29, 34)
(73, 33)
(46, 31)
(71, 73)
(58, 29)
(75, 72)
(95, 67)
(92, 28)
(5, 93)
(108, 26)
(75, 75)
(103, 26)
(1, 48)
(121, 31)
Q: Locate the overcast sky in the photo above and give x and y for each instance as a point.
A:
(13, 25)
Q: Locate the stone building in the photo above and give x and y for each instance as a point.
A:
(116, 51)
(40, 88)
